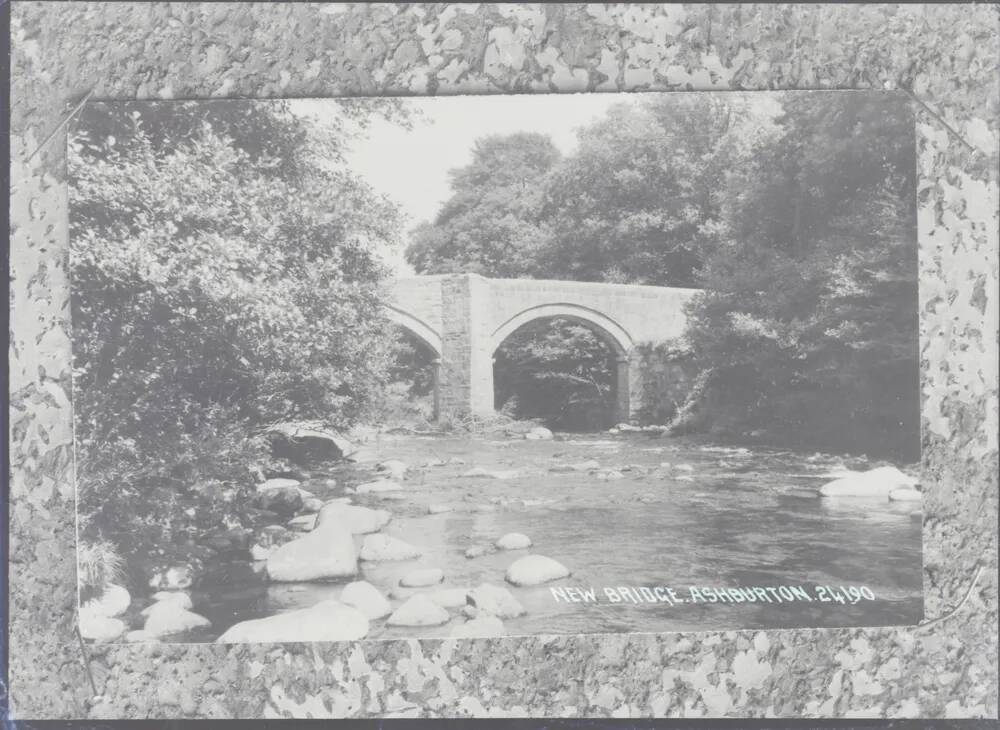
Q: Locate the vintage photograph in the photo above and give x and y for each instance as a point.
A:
(481, 366)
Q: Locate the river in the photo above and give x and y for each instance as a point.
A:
(683, 514)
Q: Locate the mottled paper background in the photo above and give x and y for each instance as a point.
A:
(946, 54)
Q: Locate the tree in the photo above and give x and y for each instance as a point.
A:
(215, 288)
(490, 224)
(809, 325)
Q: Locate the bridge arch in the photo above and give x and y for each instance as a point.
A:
(604, 326)
(429, 337)
(610, 330)
(417, 327)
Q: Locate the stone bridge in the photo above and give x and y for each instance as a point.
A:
(464, 318)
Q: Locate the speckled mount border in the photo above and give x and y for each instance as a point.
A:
(944, 55)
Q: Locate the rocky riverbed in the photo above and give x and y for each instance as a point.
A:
(456, 536)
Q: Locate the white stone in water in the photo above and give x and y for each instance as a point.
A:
(906, 494)
(610, 475)
(379, 485)
(419, 611)
(437, 509)
(491, 474)
(326, 552)
(476, 551)
(98, 628)
(311, 505)
(495, 600)
(393, 467)
(422, 578)
(181, 599)
(874, 483)
(513, 541)
(258, 552)
(456, 461)
(326, 621)
(449, 597)
(365, 597)
(684, 467)
(277, 483)
(139, 635)
(481, 627)
(360, 520)
(169, 617)
(114, 601)
(684, 479)
(533, 570)
(539, 433)
(379, 548)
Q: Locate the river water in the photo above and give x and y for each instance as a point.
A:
(683, 515)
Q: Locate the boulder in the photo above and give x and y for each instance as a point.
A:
(419, 611)
(610, 475)
(98, 628)
(326, 621)
(360, 520)
(481, 627)
(301, 443)
(874, 483)
(477, 551)
(379, 548)
(378, 486)
(513, 541)
(169, 617)
(906, 494)
(311, 505)
(258, 552)
(539, 433)
(434, 462)
(283, 501)
(302, 523)
(422, 578)
(480, 472)
(113, 602)
(449, 597)
(325, 552)
(393, 468)
(365, 597)
(495, 601)
(533, 570)
(139, 635)
(181, 599)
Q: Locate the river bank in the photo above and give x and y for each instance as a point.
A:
(623, 510)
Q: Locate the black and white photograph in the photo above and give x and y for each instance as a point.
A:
(481, 366)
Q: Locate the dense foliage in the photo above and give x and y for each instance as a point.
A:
(557, 370)
(223, 278)
(796, 216)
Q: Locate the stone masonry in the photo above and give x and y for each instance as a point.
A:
(464, 318)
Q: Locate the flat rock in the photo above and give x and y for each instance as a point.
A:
(326, 621)
(311, 505)
(324, 553)
(379, 548)
(178, 598)
(368, 599)
(422, 578)
(449, 597)
(495, 600)
(300, 442)
(878, 482)
(99, 629)
(609, 475)
(394, 468)
(259, 552)
(906, 494)
(139, 635)
(277, 483)
(437, 509)
(539, 433)
(419, 611)
(302, 523)
(513, 541)
(360, 520)
(481, 627)
(533, 570)
(169, 617)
